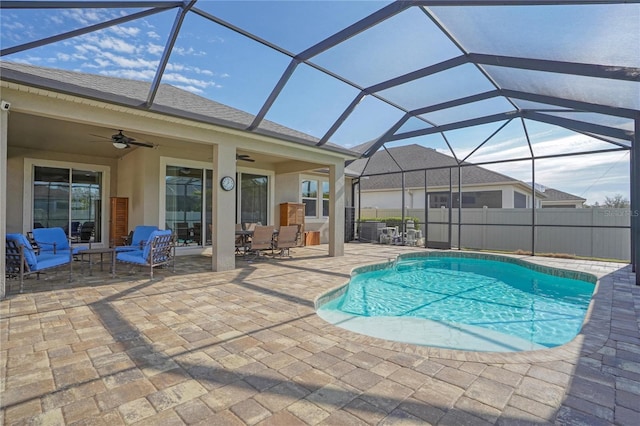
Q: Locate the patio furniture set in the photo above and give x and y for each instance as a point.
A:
(49, 248)
(255, 239)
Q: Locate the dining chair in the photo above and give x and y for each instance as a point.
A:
(287, 238)
(261, 240)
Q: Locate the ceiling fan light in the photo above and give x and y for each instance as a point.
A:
(120, 145)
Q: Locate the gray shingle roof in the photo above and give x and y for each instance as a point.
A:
(557, 195)
(416, 157)
(169, 100)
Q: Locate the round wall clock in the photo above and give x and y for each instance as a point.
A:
(227, 183)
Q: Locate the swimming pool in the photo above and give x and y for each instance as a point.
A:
(463, 301)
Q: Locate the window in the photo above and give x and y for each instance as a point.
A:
(519, 200)
(313, 199)
(254, 200)
(310, 197)
(187, 203)
(68, 198)
(491, 199)
(325, 199)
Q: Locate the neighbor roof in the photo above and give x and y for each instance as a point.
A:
(557, 195)
(381, 170)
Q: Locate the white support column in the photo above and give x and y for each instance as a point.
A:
(223, 202)
(336, 216)
(4, 120)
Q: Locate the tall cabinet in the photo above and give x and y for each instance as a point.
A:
(293, 214)
(118, 221)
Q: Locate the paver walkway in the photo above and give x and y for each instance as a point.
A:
(245, 347)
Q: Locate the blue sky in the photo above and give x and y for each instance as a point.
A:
(215, 62)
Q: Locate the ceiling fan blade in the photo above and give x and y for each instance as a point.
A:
(100, 136)
(244, 157)
(144, 144)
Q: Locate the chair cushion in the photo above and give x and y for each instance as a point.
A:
(133, 256)
(49, 260)
(29, 254)
(46, 237)
(140, 236)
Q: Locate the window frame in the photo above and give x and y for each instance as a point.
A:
(319, 199)
(270, 174)
(162, 201)
(28, 180)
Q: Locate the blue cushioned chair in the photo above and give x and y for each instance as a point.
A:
(21, 259)
(159, 249)
(54, 240)
(140, 235)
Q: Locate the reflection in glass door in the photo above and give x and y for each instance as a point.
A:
(188, 201)
(254, 198)
(70, 199)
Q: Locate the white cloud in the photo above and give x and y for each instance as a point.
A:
(56, 19)
(155, 49)
(131, 74)
(203, 71)
(127, 62)
(13, 25)
(98, 63)
(172, 66)
(190, 51)
(83, 16)
(153, 34)
(185, 81)
(116, 44)
(127, 31)
(190, 89)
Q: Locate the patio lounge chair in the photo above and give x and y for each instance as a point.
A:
(54, 240)
(139, 237)
(287, 238)
(158, 250)
(21, 259)
(261, 240)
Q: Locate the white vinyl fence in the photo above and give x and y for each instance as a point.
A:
(600, 232)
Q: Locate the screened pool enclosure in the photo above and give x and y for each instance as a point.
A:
(526, 83)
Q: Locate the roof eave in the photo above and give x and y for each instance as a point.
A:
(37, 82)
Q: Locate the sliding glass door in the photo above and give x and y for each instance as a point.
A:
(188, 204)
(68, 198)
(254, 198)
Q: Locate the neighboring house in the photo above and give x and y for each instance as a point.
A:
(558, 199)
(59, 162)
(480, 187)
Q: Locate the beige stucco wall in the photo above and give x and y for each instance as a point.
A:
(288, 190)
(15, 179)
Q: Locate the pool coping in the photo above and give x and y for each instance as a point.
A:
(589, 339)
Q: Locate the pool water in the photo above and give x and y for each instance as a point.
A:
(463, 303)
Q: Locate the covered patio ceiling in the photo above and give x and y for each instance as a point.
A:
(375, 73)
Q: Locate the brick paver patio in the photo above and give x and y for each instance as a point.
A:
(245, 347)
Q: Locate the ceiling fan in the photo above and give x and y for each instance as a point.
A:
(244, 157)
(121, 141)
